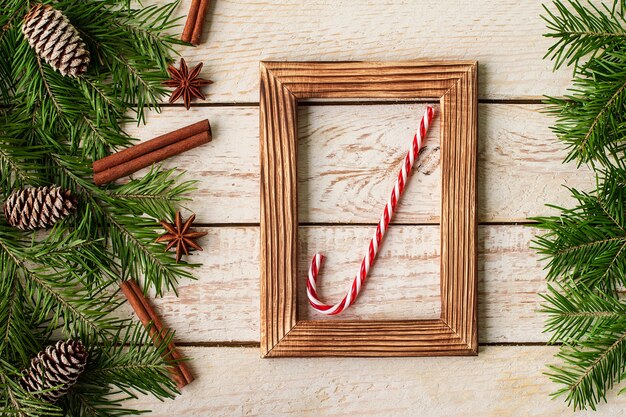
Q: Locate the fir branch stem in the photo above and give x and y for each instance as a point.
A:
(596, 362)
(588, 245)
(16, 169)
(51, 128)
(52, 96)
(16, 404)
(599, 116)
(77, 314)
(612, 263)
(11, 305)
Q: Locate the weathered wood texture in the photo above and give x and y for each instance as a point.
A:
(504, 36)
(348, 157)
(519, 169)
(223, 304)
(283, 85)
(500, 381)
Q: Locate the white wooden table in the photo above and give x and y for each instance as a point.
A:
(349, 155)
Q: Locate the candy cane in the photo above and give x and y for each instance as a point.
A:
(376, 241)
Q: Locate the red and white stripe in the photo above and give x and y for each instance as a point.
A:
(376, 241)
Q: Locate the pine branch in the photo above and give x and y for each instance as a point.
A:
(95, 402)
(65, 279)
(591, 368)
(577, 313)
(135, 365)
(95, 139)
(18, 338)
(154, 194)
(590, 120)
(18, 166)
(53, 281)
(15, 401)
(585, 244)
(131, 237)
(120, 373)
(582, 31)
(134, 52)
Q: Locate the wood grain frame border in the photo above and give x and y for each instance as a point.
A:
(454, 85)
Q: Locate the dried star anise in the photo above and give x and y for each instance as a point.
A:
(178, 234)
(187, 84)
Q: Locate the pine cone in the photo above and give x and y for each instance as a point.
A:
(38, 208)
(54, 39)
(55, 369)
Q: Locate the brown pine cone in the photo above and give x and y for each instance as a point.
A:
(55, 369)
(38, 208)
(54, 39)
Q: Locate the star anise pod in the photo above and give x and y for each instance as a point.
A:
(187, 84)
(178, 234)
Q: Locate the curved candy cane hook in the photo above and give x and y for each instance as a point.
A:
(382, 227)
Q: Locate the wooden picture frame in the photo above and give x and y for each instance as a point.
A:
(454, 85)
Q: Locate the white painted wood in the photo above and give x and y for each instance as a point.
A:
(504, 36)
(500, 381)
(223, 304)
(349, 157)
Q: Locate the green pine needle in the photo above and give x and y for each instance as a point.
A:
(580, 31)
(586, 245)
(64, 282)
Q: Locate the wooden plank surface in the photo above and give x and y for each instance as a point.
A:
(349, 157)
(344, 177)
(500, 381)
(505, 37)
(223, 304)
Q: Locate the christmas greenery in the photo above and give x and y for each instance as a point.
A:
(62, 282)
(586, 245)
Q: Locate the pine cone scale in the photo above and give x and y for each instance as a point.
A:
(38, 208)
(55, 40)
(55, 370)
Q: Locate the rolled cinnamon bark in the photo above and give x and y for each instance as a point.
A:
(199, 25)
(182, 366)
(143, 148)
(155, 333)
(192, 16)
(134, 165)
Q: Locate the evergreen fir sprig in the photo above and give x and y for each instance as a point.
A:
(134, 366)
(130, 51)
(582, 31)
(592, 326)
(63, 282)
(591, 368)
(127, 222)
(15, 401)
(117, 374)
(577, 313)
(586, 249)
(152, 194)
(586, 245)
(590, 119)
(53, 293)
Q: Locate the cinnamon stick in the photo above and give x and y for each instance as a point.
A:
(156, 320)
(145, 313)
(150, 145)
(191, 21)
(150, 158)
(199, 25)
